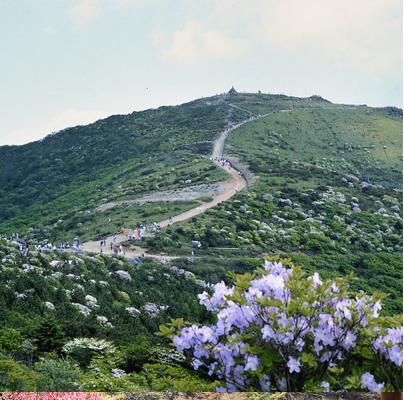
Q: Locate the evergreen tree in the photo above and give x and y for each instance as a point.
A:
(49, 336)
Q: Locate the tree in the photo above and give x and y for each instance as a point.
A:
(49, 335)
(57, 376)
(10, 340)
(278, 331)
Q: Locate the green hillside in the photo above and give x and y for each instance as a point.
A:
(326, 192)
(118, 157)
(350, 139)
(113, 158)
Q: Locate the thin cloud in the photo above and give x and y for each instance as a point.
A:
(85, 11)
(197, 43)
(360, 35)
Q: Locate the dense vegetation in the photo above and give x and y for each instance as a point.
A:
(326, 221)
(115, 158)
(317, 199)
(45, 304)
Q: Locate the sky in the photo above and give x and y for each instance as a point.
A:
(71, 62)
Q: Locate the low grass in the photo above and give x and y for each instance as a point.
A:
(103, 223)
(354, 140)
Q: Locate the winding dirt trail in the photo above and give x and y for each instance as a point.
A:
(224, 190)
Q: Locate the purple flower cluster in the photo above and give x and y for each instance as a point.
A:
(368, 382)
(394, 338)
(123, 275)
(83, 309)
(328, 329)
(152, 310)
(177, 271)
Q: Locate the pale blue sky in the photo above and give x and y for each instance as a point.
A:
(70, 62)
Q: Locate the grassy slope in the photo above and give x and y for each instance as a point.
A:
(78, 167)
(357, 139)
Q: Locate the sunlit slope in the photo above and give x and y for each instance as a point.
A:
(124, 156)
(360, 140)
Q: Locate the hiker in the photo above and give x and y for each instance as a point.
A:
(111, 245)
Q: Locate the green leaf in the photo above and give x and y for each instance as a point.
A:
(165, 331)
(336, 370)
(310, 359)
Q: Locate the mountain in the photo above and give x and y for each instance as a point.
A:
(74, 169)
(324, 189)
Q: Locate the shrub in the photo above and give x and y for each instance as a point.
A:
(277, 331)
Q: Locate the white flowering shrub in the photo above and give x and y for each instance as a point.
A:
(102, 360)
(189, 275)
(177, 271)
(134, 312)
(54, 263)
(165, 356)
(91, 301)
(104, 321)
(152, 310)
(88, 343)
(82, 308)
(123, 275)
(200, 282)
(278, 331)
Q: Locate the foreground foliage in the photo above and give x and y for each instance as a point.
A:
(279, 331)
